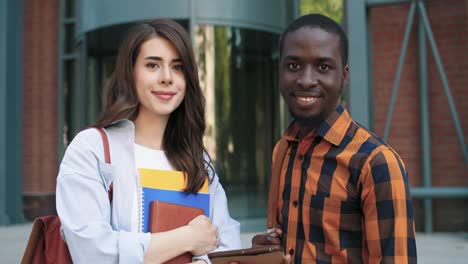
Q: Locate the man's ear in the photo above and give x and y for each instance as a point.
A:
(345, 75)
(345, 81)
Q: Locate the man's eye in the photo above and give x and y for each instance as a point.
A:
(324, 67)
(294, 66)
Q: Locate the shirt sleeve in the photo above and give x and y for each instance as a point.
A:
(228, 228)
(388, 214)
(84, 209)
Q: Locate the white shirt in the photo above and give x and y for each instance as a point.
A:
(147, 158)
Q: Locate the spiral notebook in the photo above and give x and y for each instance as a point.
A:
(167, 186)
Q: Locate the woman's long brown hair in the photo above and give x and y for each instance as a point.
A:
(183, 137)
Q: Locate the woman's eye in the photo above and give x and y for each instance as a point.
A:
(293, 66)
(151, 65)
(178, 67)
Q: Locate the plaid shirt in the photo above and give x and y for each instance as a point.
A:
(344, 196)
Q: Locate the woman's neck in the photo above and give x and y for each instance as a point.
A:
(149, 130)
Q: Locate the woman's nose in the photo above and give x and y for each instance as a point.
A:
(165, 76)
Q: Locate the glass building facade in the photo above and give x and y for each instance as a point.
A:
(238, 72)
(58, 54)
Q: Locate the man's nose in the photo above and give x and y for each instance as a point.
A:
(308, 78)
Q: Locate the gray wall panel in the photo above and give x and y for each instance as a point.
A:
(96, 14)
(11, 94)
(268, 15)
(3, 112)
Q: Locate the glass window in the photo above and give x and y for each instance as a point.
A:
(237, 70)
(70, 6)
(70, 44)
(69, 81)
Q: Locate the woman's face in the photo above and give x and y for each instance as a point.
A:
(159, 78)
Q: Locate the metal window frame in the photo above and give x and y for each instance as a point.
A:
(73, 88)
(11, 112)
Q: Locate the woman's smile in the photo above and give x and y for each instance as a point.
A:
(164, 95)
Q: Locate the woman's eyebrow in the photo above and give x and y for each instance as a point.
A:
(157, 58)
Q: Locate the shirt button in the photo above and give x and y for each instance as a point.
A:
(291, 251)
(295, 203)
(301, 157)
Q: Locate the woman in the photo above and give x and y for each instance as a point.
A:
(153, 116)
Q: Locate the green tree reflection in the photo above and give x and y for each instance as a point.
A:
(331, 8)
(223, 100)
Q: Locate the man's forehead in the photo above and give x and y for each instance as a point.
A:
(314, 35)
(308, 39)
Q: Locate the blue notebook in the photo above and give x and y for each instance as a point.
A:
(167, 186)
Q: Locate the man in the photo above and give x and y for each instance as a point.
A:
(343, 193)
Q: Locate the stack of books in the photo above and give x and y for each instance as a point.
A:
(166, 206)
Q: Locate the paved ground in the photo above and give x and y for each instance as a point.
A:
(432, 249)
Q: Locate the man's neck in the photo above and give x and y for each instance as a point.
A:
(304, 130)
(307, 126)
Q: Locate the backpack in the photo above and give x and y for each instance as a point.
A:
(45, 244)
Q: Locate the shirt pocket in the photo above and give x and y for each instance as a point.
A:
(106, 171)
(334, 224)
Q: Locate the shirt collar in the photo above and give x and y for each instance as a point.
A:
(333, 128)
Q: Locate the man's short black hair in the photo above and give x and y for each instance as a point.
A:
(319, 21)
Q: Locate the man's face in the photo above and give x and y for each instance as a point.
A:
(311, 73)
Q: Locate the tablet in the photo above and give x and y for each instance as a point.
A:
(264, 254)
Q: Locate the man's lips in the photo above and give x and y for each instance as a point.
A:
(164, 95)
(307, 98)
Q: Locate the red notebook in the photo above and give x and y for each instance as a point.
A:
(167, 216)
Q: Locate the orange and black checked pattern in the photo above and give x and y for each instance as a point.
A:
(344, 196)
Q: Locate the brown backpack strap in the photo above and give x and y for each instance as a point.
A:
(105, 142)
(273, 194)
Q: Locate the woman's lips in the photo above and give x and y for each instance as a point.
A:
(164, 95)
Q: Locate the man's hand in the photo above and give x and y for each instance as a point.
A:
(272, 237)
(268, 238)
(286, 259)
